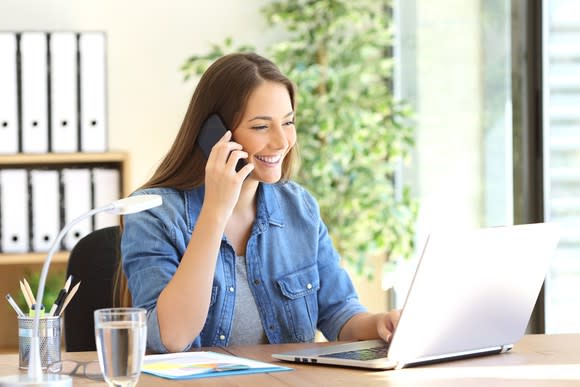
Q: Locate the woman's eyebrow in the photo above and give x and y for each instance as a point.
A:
(269, 118)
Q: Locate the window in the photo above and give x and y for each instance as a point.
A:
(562, 159)
(454, 67)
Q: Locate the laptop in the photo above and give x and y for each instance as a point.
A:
(472, 294)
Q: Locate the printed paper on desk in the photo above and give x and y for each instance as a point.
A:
(192, 365)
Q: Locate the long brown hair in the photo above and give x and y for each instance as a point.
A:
(224, 88)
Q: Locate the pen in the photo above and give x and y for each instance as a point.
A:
(29, 290)
(60, 309)
(25, 294)
(60, 297)
(14, 305)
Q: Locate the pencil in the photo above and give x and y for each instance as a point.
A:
(29, 290)
(67, 283)
(25, 294)
(60, 297)
(69, 297)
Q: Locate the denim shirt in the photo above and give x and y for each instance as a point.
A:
(292, 268)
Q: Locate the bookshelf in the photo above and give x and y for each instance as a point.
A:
(13, 267)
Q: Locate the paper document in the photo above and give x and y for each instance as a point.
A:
(191, 365)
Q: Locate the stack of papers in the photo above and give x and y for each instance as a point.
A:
(204, 364)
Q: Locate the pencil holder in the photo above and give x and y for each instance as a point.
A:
(49, 340)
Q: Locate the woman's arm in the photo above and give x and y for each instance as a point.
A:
(183, 304)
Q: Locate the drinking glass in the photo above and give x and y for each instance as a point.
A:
(121, 336)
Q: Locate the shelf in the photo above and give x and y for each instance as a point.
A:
(32, 258)
(62, 158)
(15, 266)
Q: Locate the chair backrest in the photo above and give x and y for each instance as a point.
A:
(93, 261)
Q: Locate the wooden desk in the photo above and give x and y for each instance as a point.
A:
(537, 360)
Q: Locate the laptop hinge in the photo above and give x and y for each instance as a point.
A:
(505, 348)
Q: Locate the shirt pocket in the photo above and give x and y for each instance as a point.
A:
(300, 297)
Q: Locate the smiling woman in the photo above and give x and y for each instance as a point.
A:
(241, 256)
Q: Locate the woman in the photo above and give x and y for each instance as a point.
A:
(239, 257)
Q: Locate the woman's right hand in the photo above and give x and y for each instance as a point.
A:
(222, 183)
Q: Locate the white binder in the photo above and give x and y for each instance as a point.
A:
(34, 90)
(14, 210)
(107, 189)
(76, 184)
(93, 92)
(8, 94)
(63, 93)
(44, 189)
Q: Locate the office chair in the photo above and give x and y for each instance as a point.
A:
(93, 261)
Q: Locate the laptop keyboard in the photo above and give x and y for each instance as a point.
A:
(361, 354)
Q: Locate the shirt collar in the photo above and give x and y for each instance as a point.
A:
(268, 210)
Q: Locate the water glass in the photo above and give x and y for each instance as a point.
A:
(121, 336)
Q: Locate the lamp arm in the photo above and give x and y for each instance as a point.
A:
(34, 364)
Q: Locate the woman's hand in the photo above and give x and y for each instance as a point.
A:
(367, 326)
(386, 324)
(222, 182)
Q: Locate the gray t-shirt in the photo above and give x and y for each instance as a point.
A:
(246, 326)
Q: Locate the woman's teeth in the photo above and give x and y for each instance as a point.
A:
(269, 159)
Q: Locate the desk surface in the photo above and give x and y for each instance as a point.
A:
(537, 360)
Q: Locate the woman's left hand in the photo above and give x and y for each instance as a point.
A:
(386, 324)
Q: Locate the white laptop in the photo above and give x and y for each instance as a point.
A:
(472, 294)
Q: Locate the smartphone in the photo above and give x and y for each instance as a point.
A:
(211, 131)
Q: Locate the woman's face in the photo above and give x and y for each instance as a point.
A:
(266, 131)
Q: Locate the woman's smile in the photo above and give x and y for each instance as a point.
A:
(270, 161)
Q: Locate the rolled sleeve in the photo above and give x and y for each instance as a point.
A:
(331, 329)
(154, 342)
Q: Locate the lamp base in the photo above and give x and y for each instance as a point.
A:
(46, 380)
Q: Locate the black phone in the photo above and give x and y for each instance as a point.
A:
(211, 131)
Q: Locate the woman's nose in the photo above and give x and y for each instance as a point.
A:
(279, 138)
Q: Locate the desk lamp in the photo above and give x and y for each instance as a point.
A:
(35, 376)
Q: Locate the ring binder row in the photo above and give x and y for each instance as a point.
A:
(34, 203)
(53, 93)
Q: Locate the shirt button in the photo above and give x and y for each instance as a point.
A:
(231, 289)
(222, 337)
(257, 281)
(309, 286)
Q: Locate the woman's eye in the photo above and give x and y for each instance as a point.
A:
(258, 127)
(289, 123)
